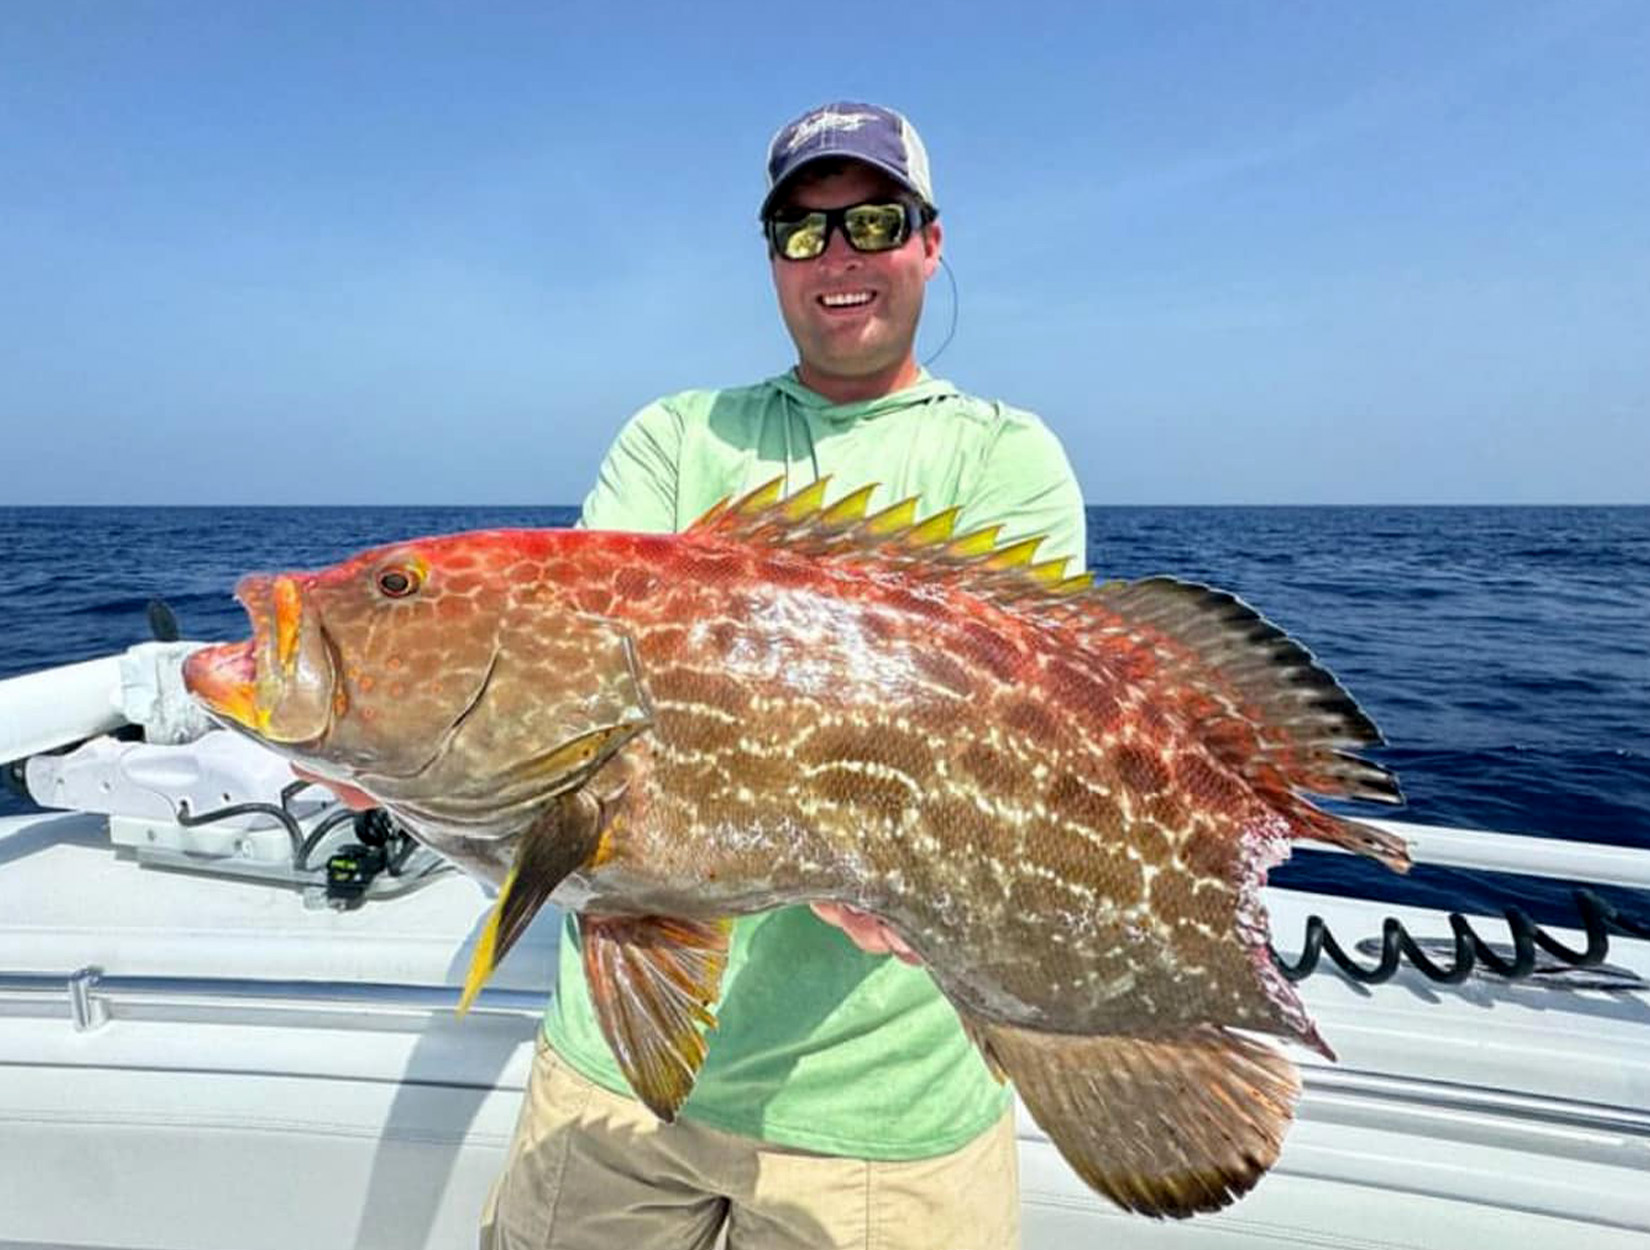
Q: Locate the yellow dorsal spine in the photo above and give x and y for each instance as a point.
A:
(850, 509)
(768, 517)
(1015, 554)
(1049, 572)
(807, 501)
(892, 520)
(975, 543)
(762, 498)
(936, 529)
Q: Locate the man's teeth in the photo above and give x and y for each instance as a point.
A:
(846, 300)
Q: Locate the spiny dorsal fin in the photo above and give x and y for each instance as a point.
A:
(928, 548)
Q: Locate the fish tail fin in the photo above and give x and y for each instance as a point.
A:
(1163, 1126)
(561, 841)
(1262, 704)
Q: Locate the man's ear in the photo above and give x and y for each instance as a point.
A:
(932, 238)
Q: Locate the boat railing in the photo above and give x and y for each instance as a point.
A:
(90, 998)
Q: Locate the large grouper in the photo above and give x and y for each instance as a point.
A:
(1064, 797)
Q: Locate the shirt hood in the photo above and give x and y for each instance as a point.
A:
(924, 390)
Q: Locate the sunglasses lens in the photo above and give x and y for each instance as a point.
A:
(876, 227)
(800, 238)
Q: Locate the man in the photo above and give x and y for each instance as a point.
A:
(840, 1103)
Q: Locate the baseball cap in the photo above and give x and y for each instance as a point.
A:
(850, 131)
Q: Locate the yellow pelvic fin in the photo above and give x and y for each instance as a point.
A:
(486, 957)
(564, 838)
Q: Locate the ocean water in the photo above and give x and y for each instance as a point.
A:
(1504, 652)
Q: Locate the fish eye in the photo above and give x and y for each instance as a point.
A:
(397, 582)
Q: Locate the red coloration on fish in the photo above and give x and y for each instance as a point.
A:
(1064, 798)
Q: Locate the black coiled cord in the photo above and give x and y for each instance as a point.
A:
(1598, 917)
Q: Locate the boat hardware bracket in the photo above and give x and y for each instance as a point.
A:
(88, 1008)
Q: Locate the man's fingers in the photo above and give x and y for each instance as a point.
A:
(865, 931)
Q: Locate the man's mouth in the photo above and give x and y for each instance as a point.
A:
(839, 301)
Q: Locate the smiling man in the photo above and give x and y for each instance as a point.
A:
(840, 1104)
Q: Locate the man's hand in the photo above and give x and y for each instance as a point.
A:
(349, 796)
(865, 931)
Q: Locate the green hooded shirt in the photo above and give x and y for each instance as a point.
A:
(818, 1045)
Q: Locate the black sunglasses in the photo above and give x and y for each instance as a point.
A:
(875, 227)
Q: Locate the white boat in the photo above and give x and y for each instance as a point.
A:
(197, 1051)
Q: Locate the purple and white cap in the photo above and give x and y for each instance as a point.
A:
(846, 131)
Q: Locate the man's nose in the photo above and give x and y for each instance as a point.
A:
(838, 251)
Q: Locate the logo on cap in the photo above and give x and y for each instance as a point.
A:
(824, 120)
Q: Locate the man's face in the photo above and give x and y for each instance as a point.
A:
(863, 336)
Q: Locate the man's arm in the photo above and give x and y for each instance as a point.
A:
(1025, 484)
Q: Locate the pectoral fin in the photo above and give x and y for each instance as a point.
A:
(1164, 1126)
(652, 982)
(561, 841)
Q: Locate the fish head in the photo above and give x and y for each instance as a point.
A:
(451, 678)
(362, 666)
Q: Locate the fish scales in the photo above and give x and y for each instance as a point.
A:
(1064, 800)
(922, 800)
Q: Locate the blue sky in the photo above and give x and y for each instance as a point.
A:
(1234, 252)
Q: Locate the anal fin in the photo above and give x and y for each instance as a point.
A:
(652, 982)
(1164, 1126)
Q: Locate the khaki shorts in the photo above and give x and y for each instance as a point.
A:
(590, 1170)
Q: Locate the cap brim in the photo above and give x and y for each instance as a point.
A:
(882, 167)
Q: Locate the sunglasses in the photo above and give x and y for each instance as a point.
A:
(867, 227)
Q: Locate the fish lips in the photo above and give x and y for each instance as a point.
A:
(281, 684)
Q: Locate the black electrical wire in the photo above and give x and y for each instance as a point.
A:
(951, 330)
(294, 831)
(402, 854)
(1597, 916)
(302, 847)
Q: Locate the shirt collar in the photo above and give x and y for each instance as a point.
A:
(923, 390)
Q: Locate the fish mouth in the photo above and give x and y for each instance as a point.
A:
(224, 678)
(278, 683)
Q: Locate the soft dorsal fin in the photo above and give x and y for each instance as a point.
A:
(1263, 705)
